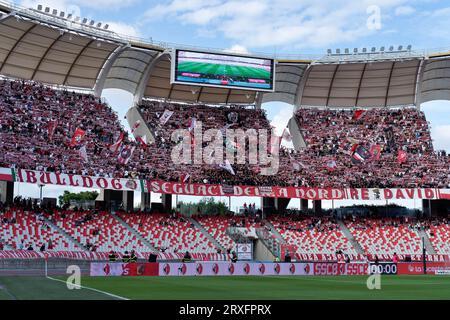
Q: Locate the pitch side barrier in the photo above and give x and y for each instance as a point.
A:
(203, 268)
(209, 190)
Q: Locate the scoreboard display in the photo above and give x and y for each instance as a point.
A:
(222, 70)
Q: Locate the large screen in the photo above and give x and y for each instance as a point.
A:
(222, 70)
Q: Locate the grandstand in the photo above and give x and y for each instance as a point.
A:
(357, 129)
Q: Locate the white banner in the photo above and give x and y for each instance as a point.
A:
(70, 180)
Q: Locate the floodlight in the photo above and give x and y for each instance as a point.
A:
(39, 7)
(106, 26)
(47, 9)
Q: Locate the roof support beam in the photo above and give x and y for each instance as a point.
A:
(103, 73)
(142, 83)
(389, 84)
(16, 44)
(170, 91)
(228, 96)
(76, 60)
(331, 84)
(199, 94)
(360, 82)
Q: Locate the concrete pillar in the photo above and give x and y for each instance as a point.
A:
(267, 205)
(128, 200)
(6, 191)
(317, 206)
(436, 208)
(113, 199)
(303, 205)
(166, 200)
(146, 201)
(281, 204)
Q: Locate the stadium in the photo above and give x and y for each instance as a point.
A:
(198, 129)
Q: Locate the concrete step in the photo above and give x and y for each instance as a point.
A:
(355, 244)
(202, 229)
(428, 245)
(65, 234)
(145, 241)
(275, 232)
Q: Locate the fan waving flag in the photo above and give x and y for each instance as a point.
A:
(51, 127)
(331, 165)
(165, 117)
(125, 154)
(136, 125)
(7, 174)
(142, 141)
(114, 147)
(83, 153)
(77, 137)
(375, 152)
(286, 135)
(402, 156)
(360, 155)
(185, 177)
(227, 166)
(358, 114)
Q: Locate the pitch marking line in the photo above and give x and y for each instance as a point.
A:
(92, 289)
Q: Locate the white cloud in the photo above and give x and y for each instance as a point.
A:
(404, 11)
(441, 137)
(280, 121)
(124, 29)
(265, 23)
(237, 48)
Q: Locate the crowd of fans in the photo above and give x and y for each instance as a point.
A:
(30, 109)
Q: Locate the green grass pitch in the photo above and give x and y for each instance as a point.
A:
(219, 69)
(230, 288)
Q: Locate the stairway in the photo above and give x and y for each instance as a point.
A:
(358, 248)
(134, 232)
(275, 232)
(206, 233)
(65, 234)
(428, 245)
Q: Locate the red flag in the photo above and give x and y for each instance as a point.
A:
(184, 177)
(358, 114)
(51, 127)
(78, 136)
(114, 147)
(402, 156)
(142, 141)
(375, 151)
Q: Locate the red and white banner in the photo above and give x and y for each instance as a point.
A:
(340, 269)
(70, 180)
(210, 190)
(235, 269)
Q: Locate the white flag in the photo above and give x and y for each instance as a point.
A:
(83, 153)
(165, 117)
(227, 166)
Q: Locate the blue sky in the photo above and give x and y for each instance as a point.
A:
(281, 27)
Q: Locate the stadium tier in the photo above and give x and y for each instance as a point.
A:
(386, 236)
(170, 234)
(312, 235)
(22, 229)
(47, 129)
(97, 231)
(368, 148)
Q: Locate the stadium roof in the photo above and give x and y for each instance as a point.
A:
(54, 50)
